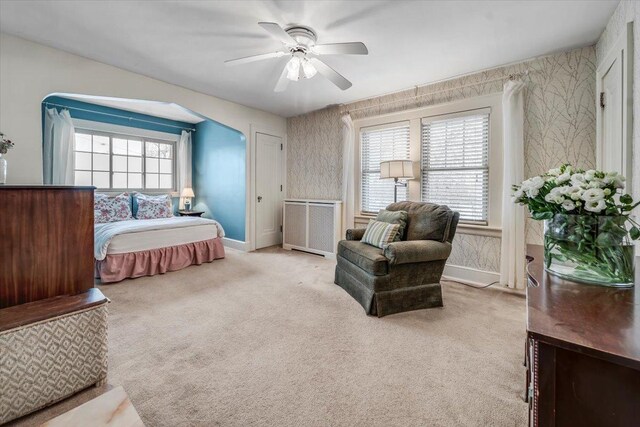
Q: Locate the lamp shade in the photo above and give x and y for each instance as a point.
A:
(396, 169)
(187, 192)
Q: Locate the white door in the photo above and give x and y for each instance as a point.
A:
(269, 194)
(614, 120)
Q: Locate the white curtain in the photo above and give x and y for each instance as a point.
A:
(183, 151)
(348, 178)
(59, 138)
(512, 262)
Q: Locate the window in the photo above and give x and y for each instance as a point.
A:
(390, 142)
(114, 161)
(455, 163)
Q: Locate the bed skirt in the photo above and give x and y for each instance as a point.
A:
(117, 267)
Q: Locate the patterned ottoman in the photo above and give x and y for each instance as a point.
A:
(44, 361)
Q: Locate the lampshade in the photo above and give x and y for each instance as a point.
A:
(293, 69)
(187, 192)
(396, 169)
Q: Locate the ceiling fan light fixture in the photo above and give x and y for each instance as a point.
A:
(293, 69)
(308, 69)
(300, 43)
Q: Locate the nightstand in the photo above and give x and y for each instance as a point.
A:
(190, 213)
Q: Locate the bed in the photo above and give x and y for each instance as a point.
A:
(145, 247)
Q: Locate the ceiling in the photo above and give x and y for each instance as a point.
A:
(166, 110)
(410, 42)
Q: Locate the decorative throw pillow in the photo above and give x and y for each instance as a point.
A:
(111, 209)
(155, 197)
(379, 234)
(151, 209)
(394, 217)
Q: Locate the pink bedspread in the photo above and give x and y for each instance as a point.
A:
(117, 267)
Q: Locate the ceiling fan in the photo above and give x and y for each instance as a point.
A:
(300, 44)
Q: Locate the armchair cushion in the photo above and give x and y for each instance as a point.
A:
(394, 217)
(426, 221)
(414, 251)
(367, 257)
(355, 233)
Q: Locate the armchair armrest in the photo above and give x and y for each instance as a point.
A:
(355, 233)
(412, 251)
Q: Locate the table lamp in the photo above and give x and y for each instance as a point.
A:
(187, 194)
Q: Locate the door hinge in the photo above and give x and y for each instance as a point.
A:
(280, 187)
(281, 229)
(602, 100)
(280, 147)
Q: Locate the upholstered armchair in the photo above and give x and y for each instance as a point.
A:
(406, 274)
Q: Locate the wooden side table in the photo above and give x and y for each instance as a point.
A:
(190, 213)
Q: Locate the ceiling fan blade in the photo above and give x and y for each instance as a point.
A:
(254, 58)
(283, 82)
(278, 32)
(331, 74)
(354, 48)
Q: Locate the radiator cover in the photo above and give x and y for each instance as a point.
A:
(312, 225)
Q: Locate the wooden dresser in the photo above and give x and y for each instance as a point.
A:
(46, 242)
(583, 351)
(53, 322)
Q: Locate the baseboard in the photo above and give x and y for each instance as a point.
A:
(470, 276)
(236, 244)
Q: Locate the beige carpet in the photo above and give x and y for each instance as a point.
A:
(267, 339)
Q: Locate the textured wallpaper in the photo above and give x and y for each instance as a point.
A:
(314, 155)
(559, 126)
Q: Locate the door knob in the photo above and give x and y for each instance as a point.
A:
(259, 199)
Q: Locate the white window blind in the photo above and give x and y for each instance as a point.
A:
(377, 145)
(455, 164)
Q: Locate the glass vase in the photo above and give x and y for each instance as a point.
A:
(589, 249)
(3, 170)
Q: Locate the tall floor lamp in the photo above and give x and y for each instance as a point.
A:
(397, 169)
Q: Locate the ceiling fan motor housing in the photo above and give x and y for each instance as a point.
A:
(305, 36)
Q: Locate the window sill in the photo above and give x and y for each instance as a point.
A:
(479, 230)
(463, 228)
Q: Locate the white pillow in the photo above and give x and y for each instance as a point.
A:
(153, 197)
(151, 208)
(111, 209)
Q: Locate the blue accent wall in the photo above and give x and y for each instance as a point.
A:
(219, 180)
(94, 115)
(218, 153)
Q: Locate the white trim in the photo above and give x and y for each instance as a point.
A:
(129, 131)
(454, 115)
(235, 244)
(621, 50)
(250, 226)
(479, 230)
(470, 276)
(326, 201)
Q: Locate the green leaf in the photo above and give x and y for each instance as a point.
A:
(626, 199)
(539, 216)
(634, 232)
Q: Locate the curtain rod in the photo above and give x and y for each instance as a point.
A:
(512, 76)
(116, 115)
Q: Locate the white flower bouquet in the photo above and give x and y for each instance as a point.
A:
(588, 223)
